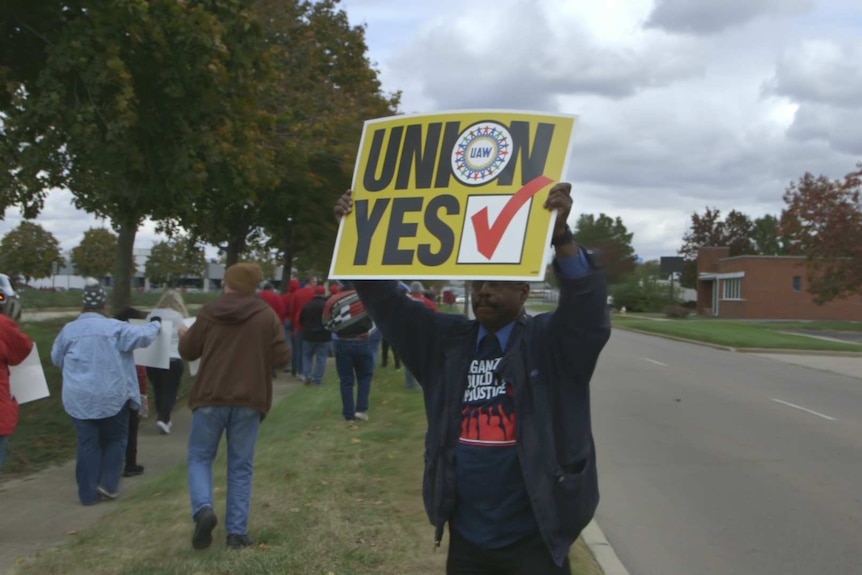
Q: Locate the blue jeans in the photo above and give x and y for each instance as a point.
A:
(4, 449)
(240, 425)
(101, 454)
(374, 345)
(353, 358)
(314, 356)
(296, 361)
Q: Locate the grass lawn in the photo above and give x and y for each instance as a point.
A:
(540, 306)
(745, 334)
(329, 498)
(45, 433)
(42, 299)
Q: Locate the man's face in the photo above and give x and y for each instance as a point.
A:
(497, 303)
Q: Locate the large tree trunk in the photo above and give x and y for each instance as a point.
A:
(234, 248)
(126, 232)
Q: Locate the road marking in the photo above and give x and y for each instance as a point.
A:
(805, 409)
(654, 361)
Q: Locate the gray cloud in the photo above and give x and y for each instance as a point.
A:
(713, 16)
(525, 60)
(820, 71)
(839, 127)
(825, 80)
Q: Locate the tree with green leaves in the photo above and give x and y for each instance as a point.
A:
(326, 89)
(138, 107)
(172, 261)
(29, 251)
(767, 236)
(94, 256)
(257, 253)
(641, 292)
(735, 231)
(611, 240)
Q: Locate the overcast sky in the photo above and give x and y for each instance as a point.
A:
(682, 104)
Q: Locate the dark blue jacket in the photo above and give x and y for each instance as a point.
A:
(549, 362)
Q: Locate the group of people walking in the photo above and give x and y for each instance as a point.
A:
(239, 342)
(509, 460)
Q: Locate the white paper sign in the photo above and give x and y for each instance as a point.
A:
(27, 380)
(193, 365)
(158, 354)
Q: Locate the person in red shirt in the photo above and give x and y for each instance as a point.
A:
(302, 296)
(287, 299)
(272, 299)
(15, 346)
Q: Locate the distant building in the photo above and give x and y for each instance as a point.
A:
(762, 287)
(65, 278)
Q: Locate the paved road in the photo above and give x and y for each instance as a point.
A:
(719, 463)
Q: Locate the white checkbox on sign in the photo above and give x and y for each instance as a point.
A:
(493, 234)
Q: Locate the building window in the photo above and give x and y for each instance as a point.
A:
(732, 288)
(797, 284)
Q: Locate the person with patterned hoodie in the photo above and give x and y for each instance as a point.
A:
(15, 346)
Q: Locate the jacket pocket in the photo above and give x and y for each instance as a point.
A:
(576, 496)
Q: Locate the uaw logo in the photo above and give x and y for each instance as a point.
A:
(482, 151)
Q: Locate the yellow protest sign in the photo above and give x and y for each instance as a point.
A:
(453, 195)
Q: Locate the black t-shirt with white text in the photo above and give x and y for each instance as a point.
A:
(493, 509)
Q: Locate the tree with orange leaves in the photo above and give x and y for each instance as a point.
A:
(825, 219)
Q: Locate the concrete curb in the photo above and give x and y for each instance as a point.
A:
(742, 349)
(601, 549)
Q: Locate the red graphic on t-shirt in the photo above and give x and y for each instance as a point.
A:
(490, 426)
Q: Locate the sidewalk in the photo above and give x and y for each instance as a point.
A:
(40, 511)
(848, 366)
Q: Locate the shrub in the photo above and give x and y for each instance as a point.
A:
(676, 312)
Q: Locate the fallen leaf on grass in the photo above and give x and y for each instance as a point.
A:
(355, 440)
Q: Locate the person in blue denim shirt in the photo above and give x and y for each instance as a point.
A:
(100, 385)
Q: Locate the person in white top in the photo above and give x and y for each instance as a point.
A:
(166, 382)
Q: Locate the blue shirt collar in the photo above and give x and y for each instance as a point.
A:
(502, 334)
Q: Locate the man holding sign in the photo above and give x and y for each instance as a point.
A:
(15, 346)
(100, 386)
(510, 462)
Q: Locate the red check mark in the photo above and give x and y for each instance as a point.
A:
(487, 236)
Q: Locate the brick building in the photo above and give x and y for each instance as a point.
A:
(762, 287)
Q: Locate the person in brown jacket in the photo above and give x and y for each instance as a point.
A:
(239, 340)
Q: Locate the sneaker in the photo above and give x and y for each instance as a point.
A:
(164, 428)
(105, 494)
(133, 471)
(239, 541)
(361, 415)
(205, 522)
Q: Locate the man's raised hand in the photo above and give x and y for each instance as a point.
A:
(344, 205)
